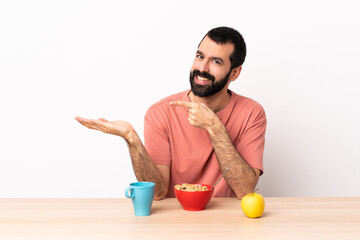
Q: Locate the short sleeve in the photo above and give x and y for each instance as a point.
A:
(156, 136)
(251, 143)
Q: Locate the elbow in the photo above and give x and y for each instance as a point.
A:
(249, 186)
(243, 192)
(239, 197)
(159, 197)
(160, 194)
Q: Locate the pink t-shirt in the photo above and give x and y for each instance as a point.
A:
(171, 140)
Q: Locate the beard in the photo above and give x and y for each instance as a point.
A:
(207, 90)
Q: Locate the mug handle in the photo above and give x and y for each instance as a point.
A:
(132, 195)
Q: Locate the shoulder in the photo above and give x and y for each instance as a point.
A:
(247, 105)
(165, 101)
(162, 107)
(246, 101)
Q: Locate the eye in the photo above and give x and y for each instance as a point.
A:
(217, 62)
(199, 56)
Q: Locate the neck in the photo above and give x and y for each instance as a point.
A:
(216, 102)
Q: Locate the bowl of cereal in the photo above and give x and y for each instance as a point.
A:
(193, 197)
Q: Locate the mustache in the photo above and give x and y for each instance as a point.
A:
(203, 74)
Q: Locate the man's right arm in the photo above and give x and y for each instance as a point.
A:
(144, 168)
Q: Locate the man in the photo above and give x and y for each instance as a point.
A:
(193, 136)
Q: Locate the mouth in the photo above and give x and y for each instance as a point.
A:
(201, 80)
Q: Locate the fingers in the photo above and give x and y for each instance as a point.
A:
(188, 105)
(119, 128)
(100, 124)
(192, 108)
(191, 118)
(192, 122)
(102, 120)
(182, 104)
(84, 120)
(79, 119)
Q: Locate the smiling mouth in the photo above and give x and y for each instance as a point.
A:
(202, 80)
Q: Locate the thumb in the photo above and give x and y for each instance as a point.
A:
(102, 120)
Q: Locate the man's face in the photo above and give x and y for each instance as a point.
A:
(211, 68)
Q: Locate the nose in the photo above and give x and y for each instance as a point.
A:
(203, 66)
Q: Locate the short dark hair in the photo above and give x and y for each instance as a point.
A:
(222, 35)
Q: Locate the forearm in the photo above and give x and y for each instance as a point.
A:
(144, 168)
(241, 177)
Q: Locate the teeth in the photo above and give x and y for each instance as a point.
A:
(202, 79)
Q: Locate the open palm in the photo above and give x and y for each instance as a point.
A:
(120, 128)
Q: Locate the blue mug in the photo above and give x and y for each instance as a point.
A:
(142, 195)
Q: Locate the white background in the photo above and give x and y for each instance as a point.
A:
(113, 59)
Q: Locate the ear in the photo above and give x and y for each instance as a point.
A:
(235, 73)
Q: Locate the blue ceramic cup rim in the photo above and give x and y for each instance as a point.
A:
(142, 184)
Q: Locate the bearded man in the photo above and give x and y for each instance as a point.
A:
(195, 135)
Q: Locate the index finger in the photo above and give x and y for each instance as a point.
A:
(182, 104)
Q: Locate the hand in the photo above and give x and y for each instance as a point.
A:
(200, 115)
(119, 128)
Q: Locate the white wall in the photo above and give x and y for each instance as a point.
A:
(112, 59)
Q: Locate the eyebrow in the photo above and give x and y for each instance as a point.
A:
(212, 58)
